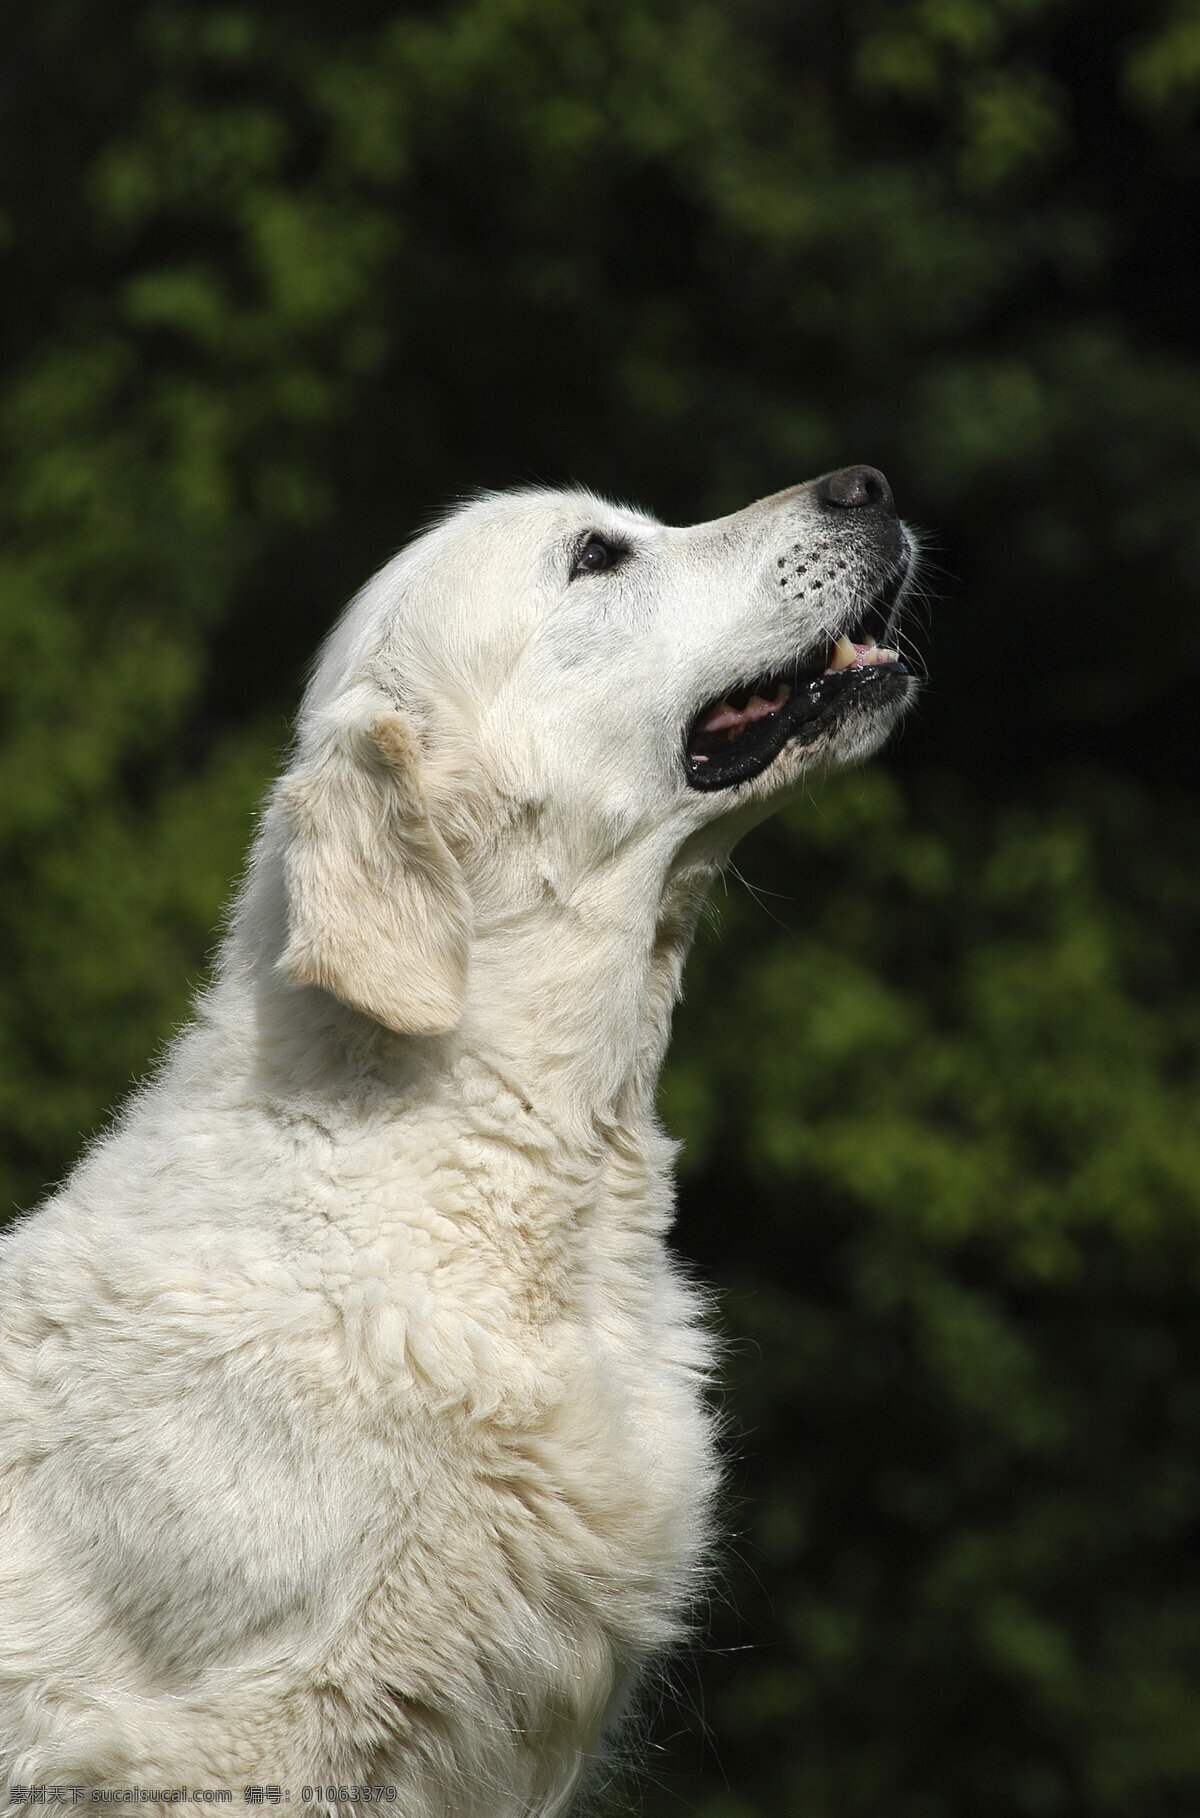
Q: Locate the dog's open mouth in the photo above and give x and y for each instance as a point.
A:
(733, 739)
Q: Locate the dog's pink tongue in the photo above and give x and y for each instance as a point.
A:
(723, 715)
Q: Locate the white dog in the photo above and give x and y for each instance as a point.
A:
(351, 1426)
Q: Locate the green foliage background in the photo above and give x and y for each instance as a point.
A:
(281, 279)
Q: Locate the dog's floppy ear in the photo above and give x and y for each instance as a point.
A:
(377, 910)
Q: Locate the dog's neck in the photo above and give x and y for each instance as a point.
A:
(572, 1003)
(569, 1005)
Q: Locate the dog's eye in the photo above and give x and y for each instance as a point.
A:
(595, 555)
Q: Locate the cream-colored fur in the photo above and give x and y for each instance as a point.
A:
(351, 1425)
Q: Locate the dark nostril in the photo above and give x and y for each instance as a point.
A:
(850, 488)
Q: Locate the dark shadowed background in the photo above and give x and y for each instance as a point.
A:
(282, 279)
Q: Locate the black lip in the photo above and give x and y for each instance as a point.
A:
(815, 708)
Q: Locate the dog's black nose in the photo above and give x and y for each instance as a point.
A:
(850, 488)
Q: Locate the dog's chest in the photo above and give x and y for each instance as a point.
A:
(535, 1362)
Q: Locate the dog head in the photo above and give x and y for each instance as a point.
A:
(548, 660)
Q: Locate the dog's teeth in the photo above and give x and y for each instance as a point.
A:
(844, 654)
(870, 643)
